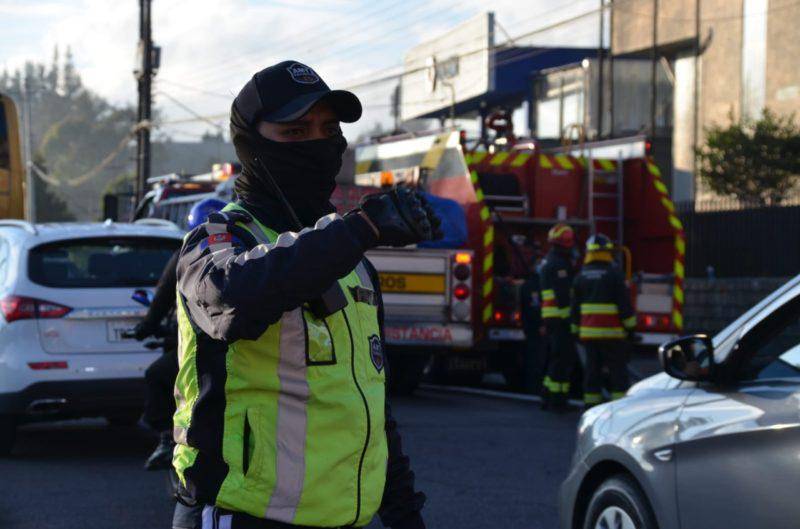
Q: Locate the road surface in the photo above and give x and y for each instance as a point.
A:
(483, 462)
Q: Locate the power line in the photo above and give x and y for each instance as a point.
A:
(522, 55)
(189, 110)
(321, 37)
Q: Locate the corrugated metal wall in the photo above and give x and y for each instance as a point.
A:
(758, 242)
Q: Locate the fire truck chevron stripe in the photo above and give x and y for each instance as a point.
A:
(477, 157)
(563, 161)
(606, 165)
(520, 159)
(488, 236)
(680, 245)
(660, 186)
(678, 293)
(677, 317)
(484, 213)
(544, 162)
(499, 158)
(653, 168)
(487, 286)
(488, 262)
(676, 222)
(679, 272)
(479, 194)
(473, 177)
(487, 312)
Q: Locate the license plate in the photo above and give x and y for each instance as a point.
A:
(116, 328)
(412, 283)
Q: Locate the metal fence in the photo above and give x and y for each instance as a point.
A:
(741, 241)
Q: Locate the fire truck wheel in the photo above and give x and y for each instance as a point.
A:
(405, 372)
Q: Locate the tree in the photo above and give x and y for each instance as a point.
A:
(81, 137)
(757, 162)
(49, 206)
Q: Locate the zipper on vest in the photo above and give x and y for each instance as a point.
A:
(366, 408)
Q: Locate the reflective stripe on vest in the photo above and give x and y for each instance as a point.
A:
(600, 321)
(304, 440)
(550, 308)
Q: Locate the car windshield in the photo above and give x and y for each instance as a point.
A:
(723, 336)
(101, 262)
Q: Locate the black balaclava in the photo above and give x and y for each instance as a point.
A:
(305, 171)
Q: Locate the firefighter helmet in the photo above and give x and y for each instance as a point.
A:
(599, 243)
(561, 235)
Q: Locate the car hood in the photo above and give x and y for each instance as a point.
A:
(658, 381)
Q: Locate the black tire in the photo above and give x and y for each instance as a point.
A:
(8, 434)
(617, 497)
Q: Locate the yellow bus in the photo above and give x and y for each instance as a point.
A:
(12, 167)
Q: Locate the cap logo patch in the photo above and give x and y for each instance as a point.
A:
(302, 74)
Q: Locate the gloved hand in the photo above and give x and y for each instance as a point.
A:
(143, 329)
(401, 217)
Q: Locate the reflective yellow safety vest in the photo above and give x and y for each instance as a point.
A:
(295, 432)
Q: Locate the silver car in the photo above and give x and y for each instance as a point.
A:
(714, 442)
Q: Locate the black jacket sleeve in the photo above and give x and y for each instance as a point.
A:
(401, 504)
(623, 300)
(164, 299)
(234, 290)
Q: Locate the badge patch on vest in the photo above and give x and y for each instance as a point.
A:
(303, 74)
(376, 352)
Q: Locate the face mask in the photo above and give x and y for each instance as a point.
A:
(305, 171)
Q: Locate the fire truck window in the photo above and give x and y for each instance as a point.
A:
(499, 184)
(502, 264)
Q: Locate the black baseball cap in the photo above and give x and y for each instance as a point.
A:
(287, 90)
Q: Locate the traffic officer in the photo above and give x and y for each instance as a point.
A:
(555, 275)
(281, 418)
(602, 318)
(159, 404)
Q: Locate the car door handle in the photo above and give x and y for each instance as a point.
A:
(665, 455)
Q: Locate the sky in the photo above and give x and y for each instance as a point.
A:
(210, 48)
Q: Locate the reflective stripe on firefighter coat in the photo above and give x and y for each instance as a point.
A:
(555, 276)
(601, 307)
(289, 425)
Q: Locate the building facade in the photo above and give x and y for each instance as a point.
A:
(723, 59)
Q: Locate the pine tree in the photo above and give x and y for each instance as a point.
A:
(52, 75)
(70, 77)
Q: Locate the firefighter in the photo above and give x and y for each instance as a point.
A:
(281, 418)
(602, 319)
(555, 276)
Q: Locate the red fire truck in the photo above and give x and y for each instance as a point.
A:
(511, 195)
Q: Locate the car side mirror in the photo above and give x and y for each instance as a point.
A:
(142, 296)
(688, 358)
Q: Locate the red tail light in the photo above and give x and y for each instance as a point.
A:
(21, 308)
(517, 316)
(461, 292)
(39, 366)
(499, 316)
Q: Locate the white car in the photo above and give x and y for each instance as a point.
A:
(65, 310)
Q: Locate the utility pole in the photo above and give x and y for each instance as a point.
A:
(148, 58)
(600, 69)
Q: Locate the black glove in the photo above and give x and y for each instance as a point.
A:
(400, 217)
(143, 329)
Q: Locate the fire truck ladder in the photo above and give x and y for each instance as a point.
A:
(608, 176)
